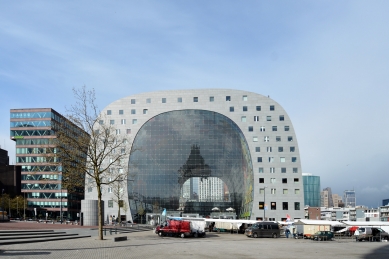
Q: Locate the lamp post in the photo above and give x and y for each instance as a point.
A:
(264, 202)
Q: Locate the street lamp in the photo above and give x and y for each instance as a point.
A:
(264, 202)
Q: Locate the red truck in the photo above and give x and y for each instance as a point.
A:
(181, 228)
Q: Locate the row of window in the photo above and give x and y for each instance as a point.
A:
(36, 150)
(35, 141)
(133, 111)
(267, 138)
(257, 108)
(44, 168)
(271, 159)
(273, 205)
(283, 180)
(273, 128)
(274, 191)
(270, 149)
(37, 159)
(272, 170)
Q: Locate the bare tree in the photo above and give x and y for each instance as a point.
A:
(98, 152)
(118, 191)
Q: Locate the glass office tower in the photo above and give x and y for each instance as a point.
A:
(311, 190)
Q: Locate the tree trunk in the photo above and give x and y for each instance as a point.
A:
(100, 214)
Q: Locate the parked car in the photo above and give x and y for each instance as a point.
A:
(322, 235)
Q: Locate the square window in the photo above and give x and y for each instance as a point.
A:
(281, 117)
(251, 128)
(283, 170)
(261, 205)
(255, 139)
(274, 128)
(260, 170)
(272, 180)
(284, 191)
(121, 112)
(109, 189)
(112, 122)
(90, 189)
(294, 159)
(284, 180)
(292, 149)
(278, 138)
(290, 138)
(273, 190)
(117, 131)
(110, 204)
(273, 205)
(272, 170)
(297, 205)
(195, 99)
(256, 118)
(296, 191)
(133, 101)
(148, 100)
(268, 118)
(231, 108)
(123, 121)
(261, 180)
(257, 149)
(245, 108)
(179, 99)
(211, 98)
(259, 159)
(258, 108)
(128, 131)
(163, 100)
(296, 180)
(228, 98)
(285, 205)
(271, 159)
(295, 170)
(286, 128)
(268, 149)
(244, 98)
(262, 128)
(145, 111)
(282, 159)
(243, 118)
(97, 132)
(133, 111)
(272, 107)
(109, 112)
(280, 149)
(101, 122)
(134, 121)
(266, 138)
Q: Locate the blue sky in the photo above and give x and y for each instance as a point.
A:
(325, 62)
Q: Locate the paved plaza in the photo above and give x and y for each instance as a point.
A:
(149, 245)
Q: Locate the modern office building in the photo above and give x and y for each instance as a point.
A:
(349, 198)
(312, 189)
(385, 202)
(33, 130)
(245, 140)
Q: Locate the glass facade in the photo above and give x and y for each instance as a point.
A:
(167, 153)
(311, 190)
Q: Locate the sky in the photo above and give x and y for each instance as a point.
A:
(325, 62)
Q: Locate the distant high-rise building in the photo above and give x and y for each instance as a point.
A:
(326, 198)
(385, 202)
(311, 185)
(349, 198)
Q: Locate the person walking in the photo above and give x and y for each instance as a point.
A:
(287, 232)
(356, 234)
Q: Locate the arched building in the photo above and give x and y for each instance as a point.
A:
(195, 150)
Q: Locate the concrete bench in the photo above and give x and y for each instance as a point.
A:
(116, 239)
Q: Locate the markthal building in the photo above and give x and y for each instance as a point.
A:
(197, 151)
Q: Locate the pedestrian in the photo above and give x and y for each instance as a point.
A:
(356, 234)
(287, 232)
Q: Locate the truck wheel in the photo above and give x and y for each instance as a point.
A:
(196, 235)
(274, 235)
(182, 235)
(255, 235)
(160, 234)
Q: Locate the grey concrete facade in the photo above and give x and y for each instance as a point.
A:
(269, 134)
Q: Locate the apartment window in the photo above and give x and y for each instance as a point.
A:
(211, 98)
(296, 191)
(280, 149)
(231, 108)
(273, 205)
(257, 149)
(284, 180)
(268, 149)
(273, 190)
(134, 121)
(243, 118)
(295, 170)
(261, 180)
(255, 139)
(268, 118)
(284, 191)
(148, 100)
(101, 122)
(272, 170)
(297, 206)
(112, 122)
(179, 99)
(133, 101)
(109, 112)
(258, 108)
(228, 98)
(283, 170)
(278, 139)
(145, 111)
(260, 170)
(294, 159)
(272, 107)
(292, 149)
(282, 159)
(286, 128)
(117, 131)
(244, 98)
(121, 112)
(109, 189)
(296, 180)
(256, 118)
(90, 189)
(245, 108)
(266, 138)
(195, 99)
(133, 111)
(128, 131)
(163, 100)
(262, 128)
(110, 204)
(259, 159)
(261, 205)
(272, 180)
(274, 128)
(271, 159)
(290, 138)
(281, 117)
(285, 205)
(251, 128)
(123, 121)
